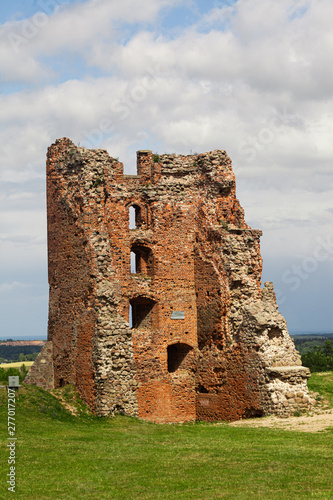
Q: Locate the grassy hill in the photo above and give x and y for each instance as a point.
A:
(62, 456)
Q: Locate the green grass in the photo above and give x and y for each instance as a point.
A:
(60, 456)
(322, 383)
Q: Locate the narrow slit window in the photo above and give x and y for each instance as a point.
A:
(134, 216)
(133, 263)
(130, 316)
(132, 224)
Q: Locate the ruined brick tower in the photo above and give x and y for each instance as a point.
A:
(185, 332)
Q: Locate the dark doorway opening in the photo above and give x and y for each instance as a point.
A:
(178, 356)
(141, 313)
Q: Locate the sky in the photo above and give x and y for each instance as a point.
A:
(253, 77)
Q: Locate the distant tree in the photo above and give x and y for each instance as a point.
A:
(3, 375)
(328, 348)
(20, 372)
(23, 372)
(320, 358)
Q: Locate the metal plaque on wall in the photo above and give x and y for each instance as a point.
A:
(177, 315)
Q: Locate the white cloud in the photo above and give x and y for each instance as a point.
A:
(15, 285)
(253, 78)
(75, 29)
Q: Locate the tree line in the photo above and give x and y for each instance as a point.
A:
(319, 358)
(13, 353)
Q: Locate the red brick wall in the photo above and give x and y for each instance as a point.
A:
(71, 322)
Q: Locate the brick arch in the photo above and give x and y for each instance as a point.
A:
(134, 201)
(144, 294)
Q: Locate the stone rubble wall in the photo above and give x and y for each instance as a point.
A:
(284, 390)
(41, 373)
(114, 375)
(283, 381)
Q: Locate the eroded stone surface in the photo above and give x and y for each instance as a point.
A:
(206, 340)
(41, 372)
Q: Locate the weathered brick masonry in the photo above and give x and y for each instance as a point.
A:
(185, 333)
